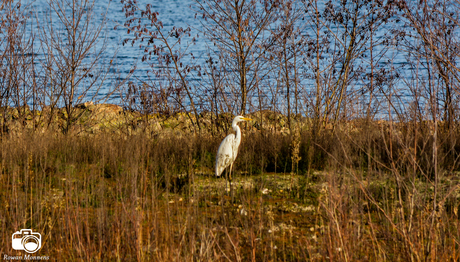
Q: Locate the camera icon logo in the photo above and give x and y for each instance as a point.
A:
(27, 240)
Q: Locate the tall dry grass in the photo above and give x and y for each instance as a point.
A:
(349, 197)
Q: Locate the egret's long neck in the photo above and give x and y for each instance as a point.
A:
(236, 128)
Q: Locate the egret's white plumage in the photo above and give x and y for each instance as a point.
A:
(228, 149)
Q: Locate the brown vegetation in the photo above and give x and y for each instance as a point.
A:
(114, 194)
(353, 154)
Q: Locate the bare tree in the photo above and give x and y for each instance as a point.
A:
(75, 63)
(288, 47)
(164, 53)
(435, 38)
(239, 30)
(339, 40)
(17, 71)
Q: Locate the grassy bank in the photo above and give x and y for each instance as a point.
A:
(141, 188)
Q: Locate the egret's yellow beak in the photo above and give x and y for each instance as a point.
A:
(247, 119)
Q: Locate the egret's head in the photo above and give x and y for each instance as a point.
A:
(240, 119)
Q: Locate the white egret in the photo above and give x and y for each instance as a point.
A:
(228, 149)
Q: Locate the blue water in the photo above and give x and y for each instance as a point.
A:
(123, 58)
(126, 59)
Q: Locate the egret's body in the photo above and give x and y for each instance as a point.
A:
(228, 149)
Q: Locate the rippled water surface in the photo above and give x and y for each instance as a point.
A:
(126, 57)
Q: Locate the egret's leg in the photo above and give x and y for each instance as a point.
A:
(230, 181)
(230, 176)
(227, 179)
